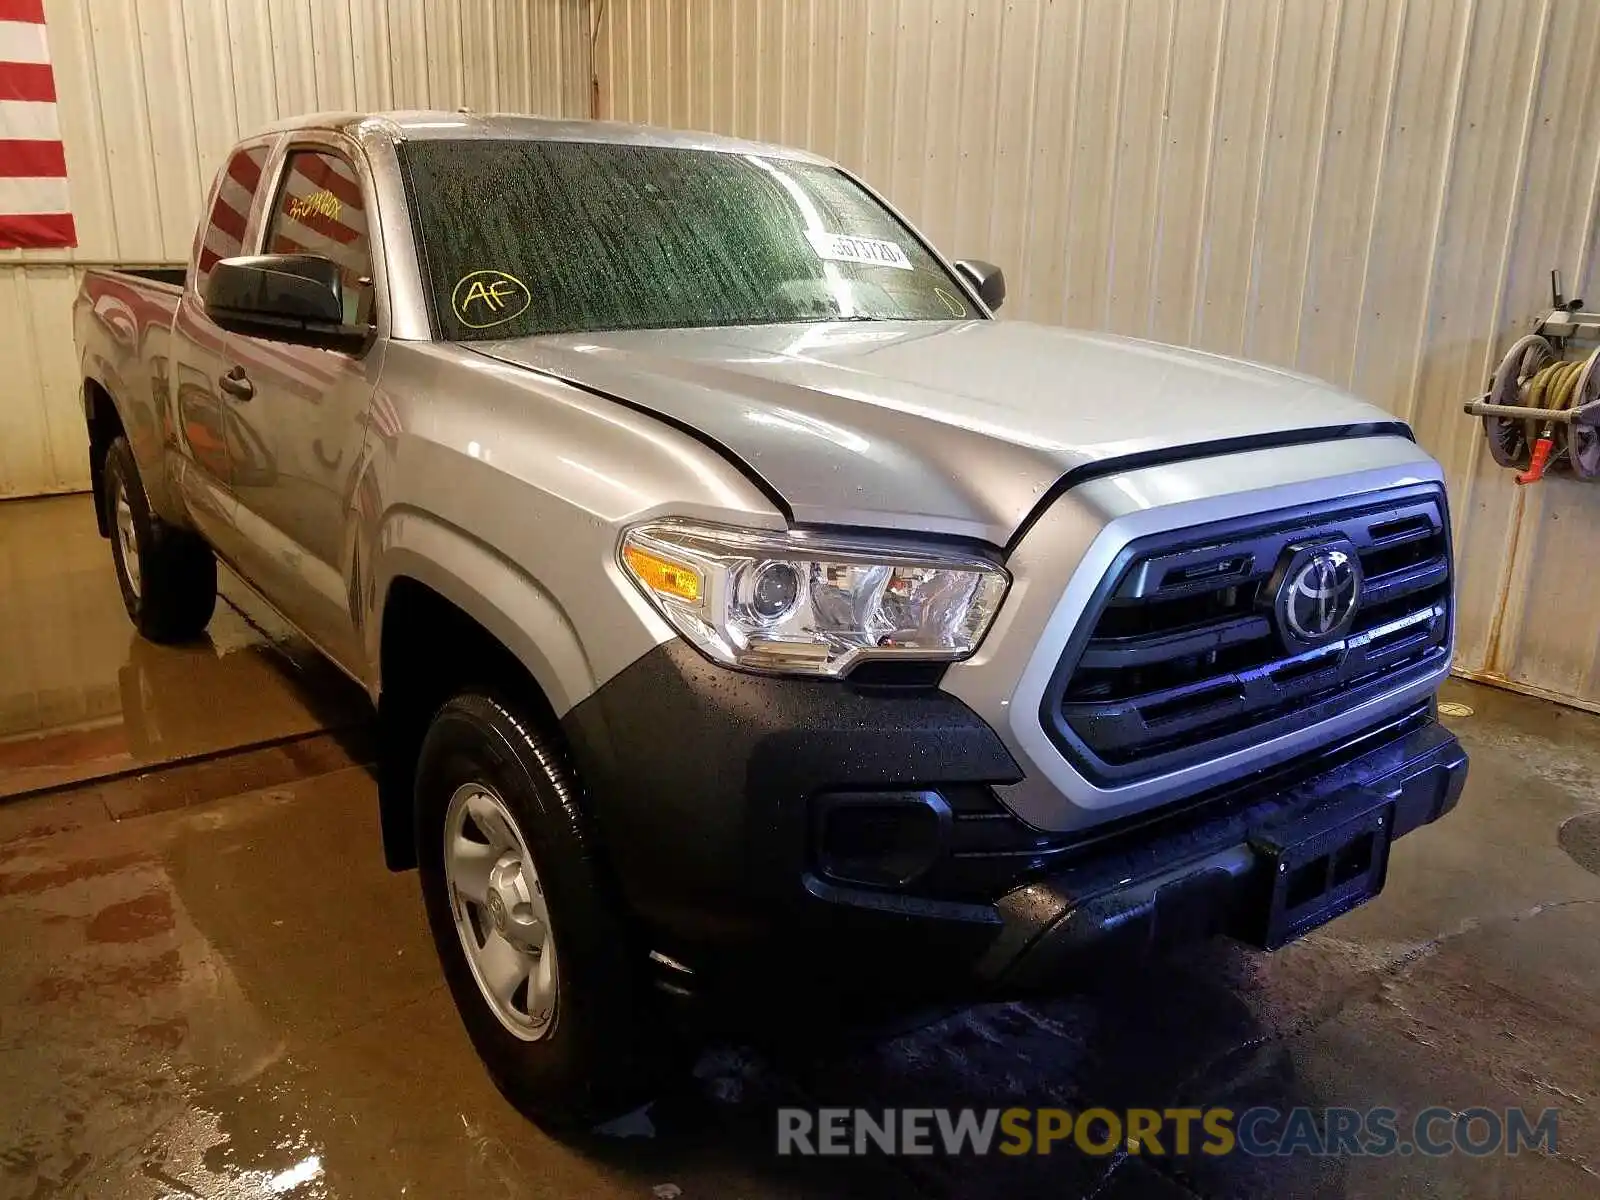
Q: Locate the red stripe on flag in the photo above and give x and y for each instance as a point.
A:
(31, 159)
(321, 174)
(245, 171)
(22, 10)
(36, 231)
(229, 220)
(27, 81)
(313, 223)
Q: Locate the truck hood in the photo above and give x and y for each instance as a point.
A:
(956, 427)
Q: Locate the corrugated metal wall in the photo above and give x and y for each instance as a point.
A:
(1373, 191)
(153, 92)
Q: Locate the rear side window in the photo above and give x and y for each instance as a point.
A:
(230, 210)
(320, 210)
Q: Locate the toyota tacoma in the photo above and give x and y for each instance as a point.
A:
(739, 598)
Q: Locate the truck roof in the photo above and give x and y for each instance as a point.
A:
(426, 124)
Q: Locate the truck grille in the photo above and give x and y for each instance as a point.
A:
(1182, 655)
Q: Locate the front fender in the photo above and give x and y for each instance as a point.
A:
(519, 613)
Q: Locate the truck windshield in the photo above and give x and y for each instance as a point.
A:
(522, 237)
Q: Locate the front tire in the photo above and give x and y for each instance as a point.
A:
(168, 576)
(539, 957)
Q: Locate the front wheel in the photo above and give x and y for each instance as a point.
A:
(168, 576)
(540, 960)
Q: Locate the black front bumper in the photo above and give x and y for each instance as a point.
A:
(1212, 871)
(706, 786)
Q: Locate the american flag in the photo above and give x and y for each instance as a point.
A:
(33, 168)
(224, 236)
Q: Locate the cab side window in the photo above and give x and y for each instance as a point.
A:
(320, 211)
(230, 211)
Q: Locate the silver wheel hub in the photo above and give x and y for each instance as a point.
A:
(497, 911)
(500, 913)
(511, 907)
(127, 537)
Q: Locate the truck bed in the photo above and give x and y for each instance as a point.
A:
(173, 276)
(122, 323)
(161, 279)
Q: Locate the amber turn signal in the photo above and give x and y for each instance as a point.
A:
(663, 575)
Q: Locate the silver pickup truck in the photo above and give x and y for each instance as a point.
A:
(743, 605)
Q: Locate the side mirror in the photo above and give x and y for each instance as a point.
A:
(296, 298)
(988, 279)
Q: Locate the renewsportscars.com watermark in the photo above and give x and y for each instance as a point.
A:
(1261, 1132)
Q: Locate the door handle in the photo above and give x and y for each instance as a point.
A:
(237, 384)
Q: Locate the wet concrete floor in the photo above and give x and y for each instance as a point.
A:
(210, 986)
(82, 696)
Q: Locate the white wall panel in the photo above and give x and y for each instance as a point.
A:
(152, 93)
(1373, 191)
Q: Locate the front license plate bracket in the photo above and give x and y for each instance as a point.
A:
(1319, 867)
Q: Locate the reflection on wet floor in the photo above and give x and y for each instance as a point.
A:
(83, 697)
(236, 999)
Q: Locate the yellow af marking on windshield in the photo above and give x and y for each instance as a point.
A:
(484, 298)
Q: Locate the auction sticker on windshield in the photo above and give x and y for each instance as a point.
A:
(841, 247)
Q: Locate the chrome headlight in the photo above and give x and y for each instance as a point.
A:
(811, 604)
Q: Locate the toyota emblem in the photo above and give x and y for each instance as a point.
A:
(1319, 589)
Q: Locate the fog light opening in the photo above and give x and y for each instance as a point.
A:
(880, 839)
